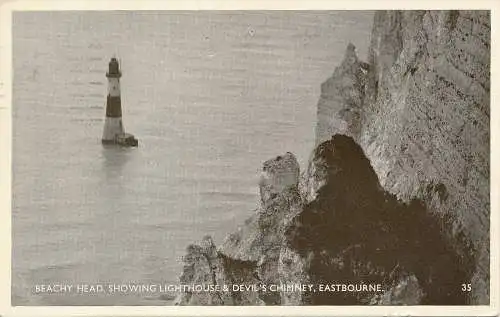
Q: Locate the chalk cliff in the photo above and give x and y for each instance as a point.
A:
(397, 189)
(425, 117)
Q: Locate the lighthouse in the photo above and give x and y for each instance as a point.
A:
(114, 133)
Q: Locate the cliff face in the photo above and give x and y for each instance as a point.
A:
(425, 117)
(397, 189)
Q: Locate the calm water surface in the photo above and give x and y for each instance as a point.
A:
(210, 96)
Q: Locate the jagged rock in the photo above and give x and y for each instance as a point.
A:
(278, 174)
(203, 266)
(292, 269)
(341, 100)
(280, 200)
(250, 255)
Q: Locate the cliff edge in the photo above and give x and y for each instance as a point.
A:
(397, 190)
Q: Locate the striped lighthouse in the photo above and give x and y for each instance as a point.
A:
(114, 133)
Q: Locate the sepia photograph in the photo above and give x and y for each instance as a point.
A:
(250, 158)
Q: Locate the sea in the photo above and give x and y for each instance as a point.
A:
(210, 95)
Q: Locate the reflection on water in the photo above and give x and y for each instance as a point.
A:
(210, 96)
(114, 160)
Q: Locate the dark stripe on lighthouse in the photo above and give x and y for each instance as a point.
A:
(114, 107)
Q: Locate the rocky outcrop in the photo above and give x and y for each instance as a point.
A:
(342, 96)
(205, 266)
(397, 189)
(249, 256)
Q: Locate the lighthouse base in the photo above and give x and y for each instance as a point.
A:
(114, 133)
(125, 139)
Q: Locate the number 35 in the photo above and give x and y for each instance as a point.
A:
(466, 287)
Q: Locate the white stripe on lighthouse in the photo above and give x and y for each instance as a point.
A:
(112, 128)
(114, 87)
